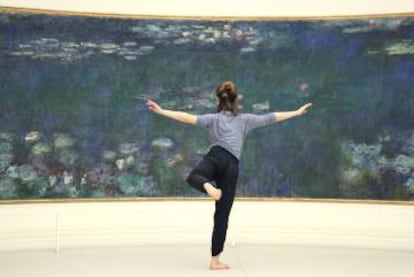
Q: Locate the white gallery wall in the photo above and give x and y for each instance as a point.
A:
(65, 225)
(55, 226)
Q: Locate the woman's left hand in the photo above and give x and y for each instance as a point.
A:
(153, 106)
(304, 109)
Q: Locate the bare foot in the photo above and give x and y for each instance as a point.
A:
(216, 265)
(212, 191)
(216, 194)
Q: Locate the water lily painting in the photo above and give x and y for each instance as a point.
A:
(74, 124)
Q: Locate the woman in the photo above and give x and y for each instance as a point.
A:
(227, 130)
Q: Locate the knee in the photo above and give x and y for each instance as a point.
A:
(190, 178)
(221, 222)
(193, 180)
(220, 227)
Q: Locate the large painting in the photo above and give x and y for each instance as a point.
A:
(74, 124)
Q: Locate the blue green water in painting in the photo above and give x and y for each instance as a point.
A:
(73, 121)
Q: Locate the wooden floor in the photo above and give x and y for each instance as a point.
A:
(192, 260)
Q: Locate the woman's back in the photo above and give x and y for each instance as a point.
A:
(228, 130)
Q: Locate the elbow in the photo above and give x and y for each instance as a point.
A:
(191, 120)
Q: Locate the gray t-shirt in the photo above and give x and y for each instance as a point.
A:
(229, 131)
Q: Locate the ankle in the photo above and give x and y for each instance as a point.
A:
(208, 186)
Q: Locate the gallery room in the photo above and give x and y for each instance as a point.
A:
(195, 138)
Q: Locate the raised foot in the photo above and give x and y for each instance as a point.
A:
(216, 194)
(212, 191)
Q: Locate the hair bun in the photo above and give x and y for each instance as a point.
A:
(228, 86)
(226, 93)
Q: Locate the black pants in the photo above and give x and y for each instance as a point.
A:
(220, 166)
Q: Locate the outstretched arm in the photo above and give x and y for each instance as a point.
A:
(280, 116)
(176, 115)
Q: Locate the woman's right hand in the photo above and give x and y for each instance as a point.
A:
(153, 106)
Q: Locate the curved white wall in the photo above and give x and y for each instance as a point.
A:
(257, 8)
(64, 225)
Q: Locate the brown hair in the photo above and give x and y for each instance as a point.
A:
(227, 95)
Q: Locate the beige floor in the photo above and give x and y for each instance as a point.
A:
(191, 260)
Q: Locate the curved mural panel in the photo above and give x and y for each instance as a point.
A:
(74, 124)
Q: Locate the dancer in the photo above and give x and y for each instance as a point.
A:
(227, 130)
